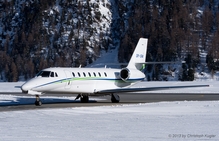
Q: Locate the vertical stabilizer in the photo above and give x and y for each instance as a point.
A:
(139, 55)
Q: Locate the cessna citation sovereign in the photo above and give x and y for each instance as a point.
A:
(93, 81)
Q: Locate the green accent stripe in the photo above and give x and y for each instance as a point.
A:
(86, 78)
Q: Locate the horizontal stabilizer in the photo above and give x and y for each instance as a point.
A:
(179, 62)
(17, 87)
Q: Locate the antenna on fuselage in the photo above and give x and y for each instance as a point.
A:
(79, 66)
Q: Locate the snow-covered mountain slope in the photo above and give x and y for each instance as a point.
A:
(36, 34)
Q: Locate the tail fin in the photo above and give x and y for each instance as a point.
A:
(139, 56)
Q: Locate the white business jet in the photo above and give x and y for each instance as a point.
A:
(93, 81)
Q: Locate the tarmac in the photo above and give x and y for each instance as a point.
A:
(128, 98)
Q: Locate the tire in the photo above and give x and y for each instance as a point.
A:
(85, 99)
(115, 98)
(38, 103)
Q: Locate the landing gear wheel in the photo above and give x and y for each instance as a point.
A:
(115, 98)
(84, 99)
(38, 102)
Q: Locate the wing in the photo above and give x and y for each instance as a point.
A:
(138, 89)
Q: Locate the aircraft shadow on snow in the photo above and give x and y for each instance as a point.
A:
(46, 100)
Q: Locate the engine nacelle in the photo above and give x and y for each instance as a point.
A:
(130, 75)
(124, 74)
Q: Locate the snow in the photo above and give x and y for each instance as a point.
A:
(10, 86)
(178, 120)
(154, 121)
(107, 58)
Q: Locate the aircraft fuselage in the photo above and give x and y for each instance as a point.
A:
(78, 80)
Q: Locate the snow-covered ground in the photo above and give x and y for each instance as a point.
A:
(153, 121)
(10, 86)
(185, 120)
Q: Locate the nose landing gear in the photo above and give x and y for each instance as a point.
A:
(38, 102)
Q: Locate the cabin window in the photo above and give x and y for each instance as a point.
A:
(79, 74)
(56, 74)
(89, 74)
(84, 74)
(99, 74)
(52, 74)
(73, 74)
(94, 74)
(105, 74)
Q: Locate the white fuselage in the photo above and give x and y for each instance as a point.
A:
(77, 80)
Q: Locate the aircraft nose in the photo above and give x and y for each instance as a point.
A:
(25, 87)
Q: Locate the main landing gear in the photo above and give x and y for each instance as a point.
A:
(38, 102)
(84, 98)
(115, 98)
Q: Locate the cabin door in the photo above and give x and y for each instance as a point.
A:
(68, 81)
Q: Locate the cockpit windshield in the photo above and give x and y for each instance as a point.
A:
(47, 74)
(44, 74)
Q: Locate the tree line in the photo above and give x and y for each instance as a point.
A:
(177, 30)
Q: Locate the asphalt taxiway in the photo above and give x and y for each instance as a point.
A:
(129, 98)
